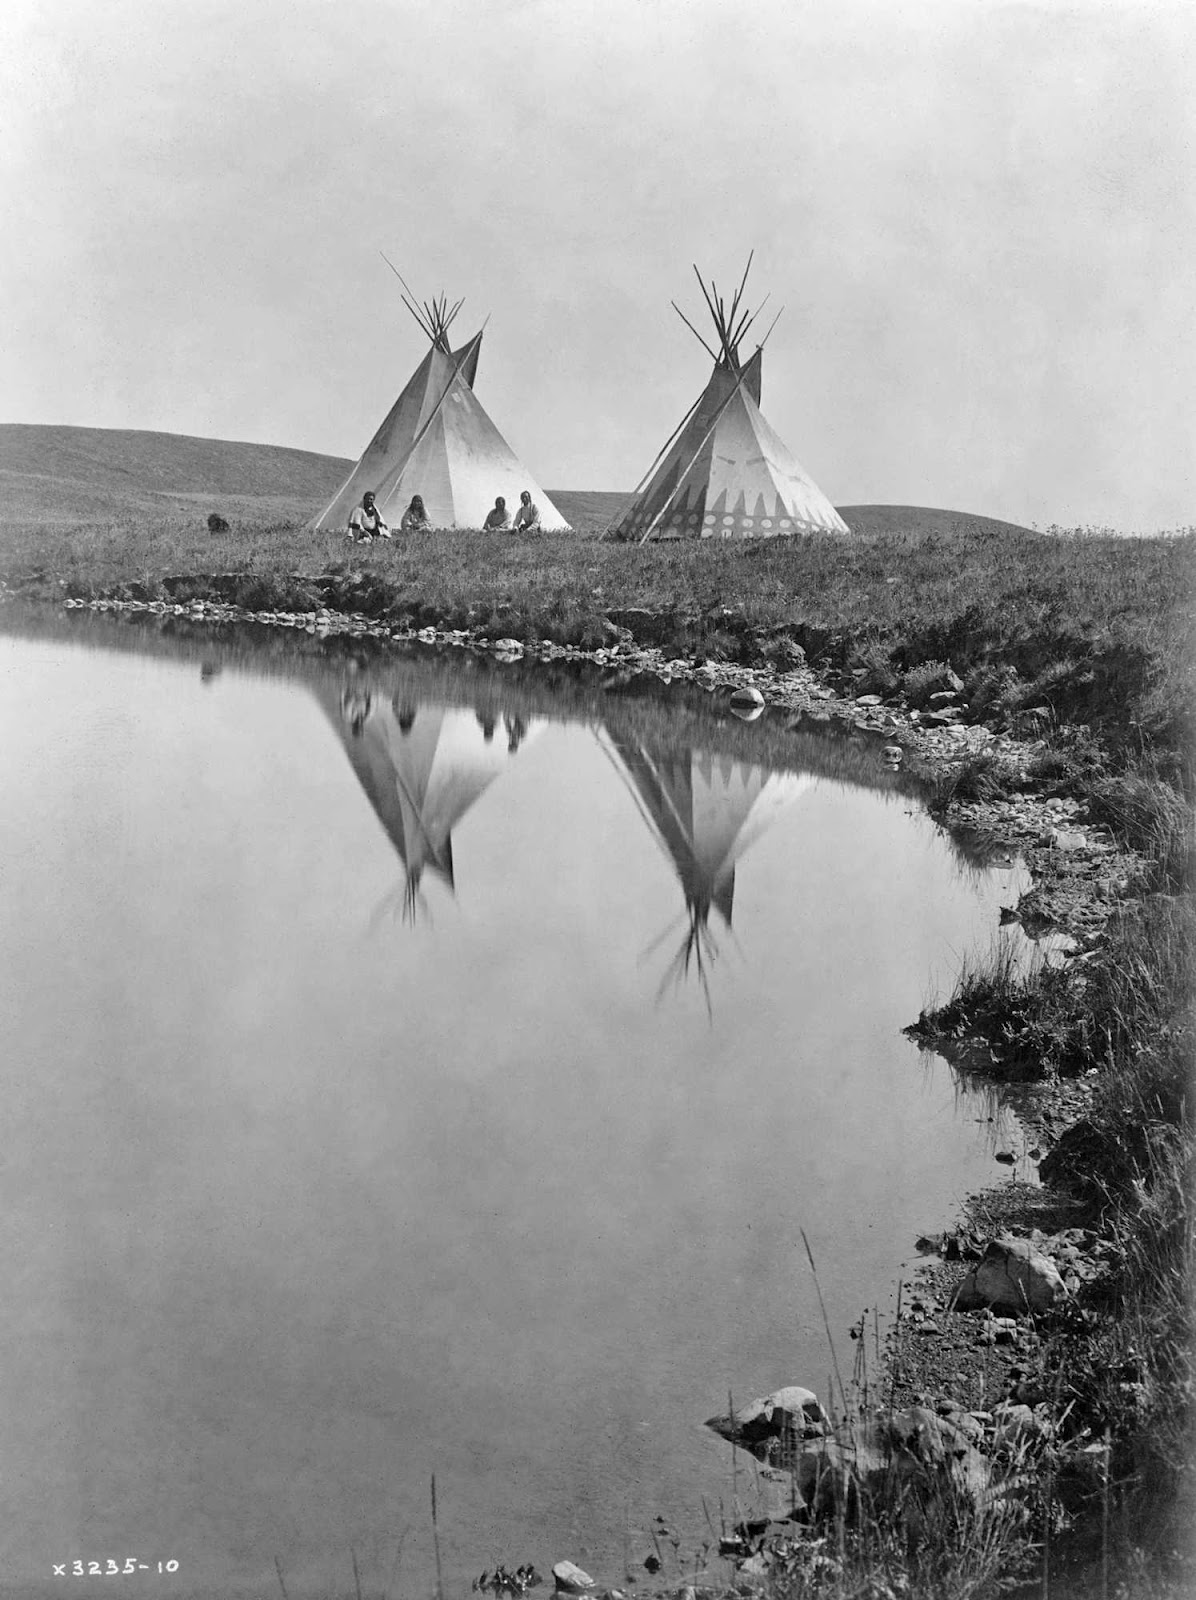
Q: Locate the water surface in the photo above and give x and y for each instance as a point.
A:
(399, 1082)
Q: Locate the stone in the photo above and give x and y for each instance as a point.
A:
(1012, 1276)
(746, 696)
(891, 1459)
(570, 1578)
(867, 700)
(1067, 839)
(1017, 1424)
(774, 1423)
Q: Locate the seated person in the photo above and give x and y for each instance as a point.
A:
(527, 518)
(366, 522)
(498, 518)
(415, 518)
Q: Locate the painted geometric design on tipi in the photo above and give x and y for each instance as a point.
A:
(422, 768)
(726, 473)
(705, 811)
(437, 441)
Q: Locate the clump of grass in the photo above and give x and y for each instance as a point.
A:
(872, 668)
(978, 777)
(1018, 1023)
(993, 689)
(920, 682)
(1072, 760)
(1151, 818)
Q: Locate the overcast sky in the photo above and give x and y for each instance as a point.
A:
(980, 218)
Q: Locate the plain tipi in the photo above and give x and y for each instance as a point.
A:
(724, 473)
(437, 442)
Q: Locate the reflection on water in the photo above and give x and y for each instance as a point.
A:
(704, 811)
(297, 1207)
(423, 766)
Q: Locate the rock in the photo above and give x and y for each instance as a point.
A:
(893, 1459)
(1007, 1156)
(1016, 1424)
(775, 1423)
(746, 697)
(754, 1567)
(614, 634)
(511, 648)
(1065, 839)
(1012, 1276)
(1001, 1330)
(867, 700)
(570, 1578)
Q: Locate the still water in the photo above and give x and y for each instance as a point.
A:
(397, 1085)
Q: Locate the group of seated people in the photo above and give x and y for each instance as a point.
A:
(366, 522)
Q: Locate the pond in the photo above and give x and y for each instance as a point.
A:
(412, 1068)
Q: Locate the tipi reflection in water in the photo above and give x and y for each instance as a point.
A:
(422, 768)
(704, 811)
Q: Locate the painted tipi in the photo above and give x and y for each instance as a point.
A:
(437, 442)
(724, 473)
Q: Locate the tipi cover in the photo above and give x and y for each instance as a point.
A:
(438, 442)
(725, 473)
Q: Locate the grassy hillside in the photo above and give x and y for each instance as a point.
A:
(50, 474)
(96, 475)
(923, 520)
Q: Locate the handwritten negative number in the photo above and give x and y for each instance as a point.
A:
(110, 1569)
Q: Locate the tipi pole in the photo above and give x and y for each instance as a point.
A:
(748, 318)
(742, 286)
(771, 326)
(706, 297)
(408, 297)
(693, 330)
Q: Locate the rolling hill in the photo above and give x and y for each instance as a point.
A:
(73, 475)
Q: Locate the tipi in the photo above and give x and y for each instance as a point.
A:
(437, 441)
(704, 811)
(724, 473)
(422, 767)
